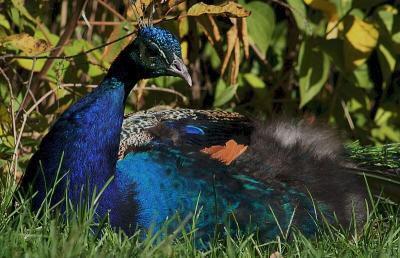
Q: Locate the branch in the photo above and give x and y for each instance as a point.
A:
(151, 88)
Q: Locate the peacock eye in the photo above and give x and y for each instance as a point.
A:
(151, 52)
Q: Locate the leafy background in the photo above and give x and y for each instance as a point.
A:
(334, 61)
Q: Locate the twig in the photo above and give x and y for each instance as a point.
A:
(260, 56)
(151, 88)
(83, 14)
(347, 114)
(112, 10)
(172, 91)
(100, 23)
(338, 22)
(28, 88)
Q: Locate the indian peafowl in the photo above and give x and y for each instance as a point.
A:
(266, 177)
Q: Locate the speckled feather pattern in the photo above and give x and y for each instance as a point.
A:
(135, 129)
(162, 38)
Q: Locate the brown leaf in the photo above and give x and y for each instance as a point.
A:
(28, 44)
(231, 37)
(226, 154)
(243, 36)
(206, 25)
(215, 29)
(230, 9)
(236, 63)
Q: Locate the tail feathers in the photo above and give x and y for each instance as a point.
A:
(380, 168)
(384, 184)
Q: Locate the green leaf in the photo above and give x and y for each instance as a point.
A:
(19, 4)
(223, 93)
(334, 49)
(3, 22)
(362, 78)
(343, 6)
(28, 64)
(254, 81)
(261, 24)
(386, 14)
(386, 129)
(279, 44)
(300, 16)
(387, 61)
(313, 72)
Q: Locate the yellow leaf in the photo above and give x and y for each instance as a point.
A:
(230, 9)
(323, 5)
(330, 10)
(360, 40)
(31, 65)
(28, 44)
(183, 27)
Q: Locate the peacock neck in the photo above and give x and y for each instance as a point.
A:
(124, 71)
(87, 137)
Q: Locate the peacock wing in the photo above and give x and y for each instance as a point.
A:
(188, 128)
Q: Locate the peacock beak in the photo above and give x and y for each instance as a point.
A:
(178, 68)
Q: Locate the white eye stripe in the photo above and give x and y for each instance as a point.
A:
(161, 52)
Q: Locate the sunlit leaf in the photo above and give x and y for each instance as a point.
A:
(230, 9)
(331, 12)
(313, 72)
(26, 43)
(386, 130)
(31, 65)
(360, 40)
(386, 13)
(254, 81)
(387, 61)
(362, 78)
(4, 22)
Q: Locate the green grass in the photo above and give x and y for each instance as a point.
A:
(24, 233)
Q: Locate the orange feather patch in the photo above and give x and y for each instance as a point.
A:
(225, 153)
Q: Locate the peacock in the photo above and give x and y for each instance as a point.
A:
(224, 167)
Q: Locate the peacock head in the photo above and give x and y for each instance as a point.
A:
(156, 52)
